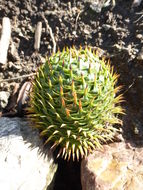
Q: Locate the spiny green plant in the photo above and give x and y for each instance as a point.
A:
(74, 102)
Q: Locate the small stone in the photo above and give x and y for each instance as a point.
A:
(24, 11)
(30, 27)
(99, 35)
(21, 34)
(74, 33)
(49, 47)
(17, 40)
(4, 96)
(139, 36)
(138, 128)
(96, 6)
(136, 3)
(27, 58)
(127, 20)
(106, 26)
(86, 31)
(22, 52)
(140, 55)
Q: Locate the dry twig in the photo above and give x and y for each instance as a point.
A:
(77, 17)
(16, 78)
(5, 39)
(51, 33)
(38, 32)
(23, 96)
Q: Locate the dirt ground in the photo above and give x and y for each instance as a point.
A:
(117, 29)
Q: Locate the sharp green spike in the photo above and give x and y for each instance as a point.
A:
(54, 146)
(58, 117)
(68, 133)
(59, 153)
(80, 129)
(66, 155)
(50, 98)
(63, 125)
(49, 139)
(51, 126)
(91, 145)
(81, 150)
(77, 153)
(73, 156)
(84, 133)
(74, 136)
(50, 84)
(60, 140)
(69, 154)
(85, 144)
(73, 148)
(64, 150)
(44, 132)
(55, 132)
(67, 145)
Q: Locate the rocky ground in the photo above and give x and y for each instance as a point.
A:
(113, 26)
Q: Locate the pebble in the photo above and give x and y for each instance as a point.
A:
(4, 96)
(139, 36)
(136, 3)
(74, 33)
(107, 27)
(140, 55)
(24, 11)
(99, 35)
(86, 31)
(30, 27)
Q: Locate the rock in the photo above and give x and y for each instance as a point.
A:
(86, 31)
(24, 164)
(4, 95)
(117, 166)
(139, 36)
(97, 5)
(136, 3)
(140, 54)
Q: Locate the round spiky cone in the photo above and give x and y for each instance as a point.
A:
(73, 102)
